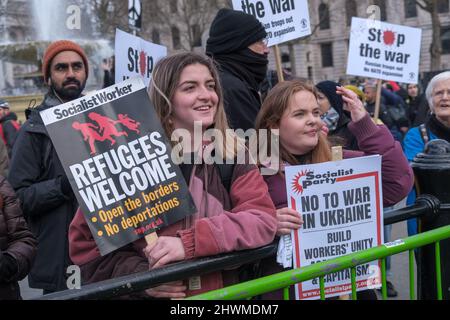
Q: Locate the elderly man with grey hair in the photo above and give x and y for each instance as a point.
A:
(436, 127)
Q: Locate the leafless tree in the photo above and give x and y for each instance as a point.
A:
(191, 17)
(334, 10)
(431, 6)
(109, 15)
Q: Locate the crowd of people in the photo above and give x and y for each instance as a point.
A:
(43, 231)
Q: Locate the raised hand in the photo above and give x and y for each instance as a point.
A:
(352, 103)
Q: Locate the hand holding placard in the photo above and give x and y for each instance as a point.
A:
(288, 220)
(164, 251)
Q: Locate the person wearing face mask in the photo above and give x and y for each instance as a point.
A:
(333, 115)
(237, 43)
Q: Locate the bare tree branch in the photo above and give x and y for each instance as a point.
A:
(423, 6)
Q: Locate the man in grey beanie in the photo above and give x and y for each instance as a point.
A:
(237, 42)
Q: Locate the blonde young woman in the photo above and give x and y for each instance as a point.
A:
(231, 216)
(293, 109)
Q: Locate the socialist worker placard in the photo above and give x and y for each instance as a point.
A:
(118, 161)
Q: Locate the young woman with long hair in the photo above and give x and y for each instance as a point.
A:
(293, 109)
(230, 216)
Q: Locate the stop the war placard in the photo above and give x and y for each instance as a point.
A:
(384, 51)
(284, 20)
(342, 209)
(135, 57)
(118, 161)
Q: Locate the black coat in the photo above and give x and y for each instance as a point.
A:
(241, 101)
(36, 174)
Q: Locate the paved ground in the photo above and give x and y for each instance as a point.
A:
(27, 292)
(399, 262)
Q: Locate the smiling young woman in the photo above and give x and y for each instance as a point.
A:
(233, 214)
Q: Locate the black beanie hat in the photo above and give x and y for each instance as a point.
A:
(328, 88)
(233, 31)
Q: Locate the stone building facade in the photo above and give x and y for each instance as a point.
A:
(323, 55)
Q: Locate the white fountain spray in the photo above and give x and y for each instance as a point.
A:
(48, 18)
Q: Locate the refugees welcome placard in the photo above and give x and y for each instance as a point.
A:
(118, 161)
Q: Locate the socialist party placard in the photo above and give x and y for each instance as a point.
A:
(135, 57)
(384, 51)
(118, 161)
(284, 20)
(342, 209)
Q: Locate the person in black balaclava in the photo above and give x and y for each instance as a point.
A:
(237, 42)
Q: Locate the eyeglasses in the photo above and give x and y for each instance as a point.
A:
(264, 41)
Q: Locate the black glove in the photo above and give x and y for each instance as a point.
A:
(8, 267)
(65, 186)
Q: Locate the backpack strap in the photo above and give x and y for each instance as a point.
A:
(424, 133)
(226, 173)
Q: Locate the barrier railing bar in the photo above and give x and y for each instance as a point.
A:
(286, 293)
(353, 273)
(438, 270)
(291, 277)
(322, 287)
(182, 270)
(178, 271)
(383, 279)
(411, 275)
(425, 204)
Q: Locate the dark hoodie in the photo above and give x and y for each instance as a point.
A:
(241, 70)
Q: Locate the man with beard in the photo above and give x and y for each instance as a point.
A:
(237, 42)
(37, 175)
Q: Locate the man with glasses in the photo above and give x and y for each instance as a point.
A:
(238, 43)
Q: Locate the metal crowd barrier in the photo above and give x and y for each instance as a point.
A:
(425, 205)
(286, 279)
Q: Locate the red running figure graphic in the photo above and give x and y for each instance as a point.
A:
(105, 129)
(131, 124)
